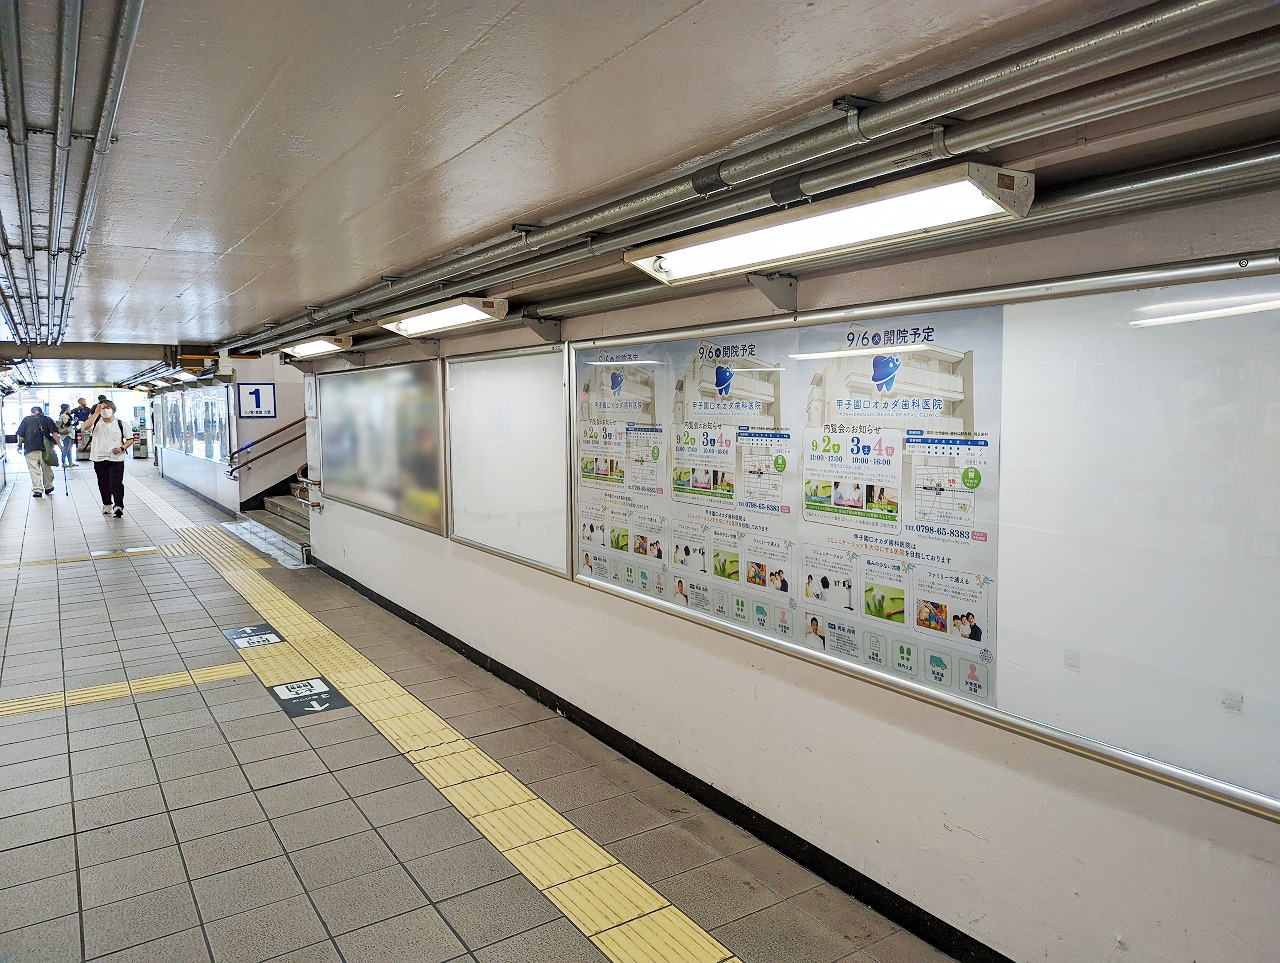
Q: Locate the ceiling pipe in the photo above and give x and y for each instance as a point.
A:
(15, 318)
(1095, 48)
(69, 15)
(126, 36)
(1217, 175)
(1247, 58)
(16, 115)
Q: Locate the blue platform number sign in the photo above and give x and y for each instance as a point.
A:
(256, 400)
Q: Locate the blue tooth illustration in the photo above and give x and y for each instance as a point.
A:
(883, 369)
(615, 380)
(724, 375)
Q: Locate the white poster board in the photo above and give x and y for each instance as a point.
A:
(508, 458)
(834, 487)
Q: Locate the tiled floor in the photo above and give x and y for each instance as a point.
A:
(201, 821)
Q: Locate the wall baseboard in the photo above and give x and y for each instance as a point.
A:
(200, 495)
(908, 915)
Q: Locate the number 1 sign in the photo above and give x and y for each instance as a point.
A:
(256, 400)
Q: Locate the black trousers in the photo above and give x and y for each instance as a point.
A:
(110, 481)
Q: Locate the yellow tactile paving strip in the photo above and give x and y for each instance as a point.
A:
(119, 690)
(100, 557)
(622, 914)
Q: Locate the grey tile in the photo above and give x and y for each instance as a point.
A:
(294, 797)
(717, 893)
(344, 755)
(420, 935)
(218, 816)
(614, 819)
(544, 763)
(33, 771)
(593, 750)
(780, 874)
(627, 774)
(265, 932)
(661, 853)
(558, 940)
(125, 839)
(669, 801)
(844, 915)
(324, 952)
(510, 742)
(720, 834)
(103, 782)
(311, 827)
(282, 769)
(373, 776)
(35, 826)
(130, 876)
(258, 748)
(137, 920)
(34, 725)
(441, 687)
(195, 762)
(460, 869)
(38, 901)
(450, 707)
(118, 807)
(39, 795)
(573, 790)
(559, 730)
(428, 833)
(193, 790)
(54, 941)
(37, 861)
(245, 888)
(497, 911)
(526, 710)
(401, 802)
(178, 721)
(106, 735)
(326, 733)
(185, 947)
(341, 859)
(903, 947)
(107, 757)
(246, 709)
(485, 721)
(220, 852)
(99, 718)
(188, 740)
(782, 934)
(367, 899)
(27, 749)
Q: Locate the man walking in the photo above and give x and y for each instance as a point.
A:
(109, 440)
(80, 414)
(67, 436)
(32, 432)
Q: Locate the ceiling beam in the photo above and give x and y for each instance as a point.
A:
(94, 351)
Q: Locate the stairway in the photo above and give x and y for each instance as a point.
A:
(286, 523)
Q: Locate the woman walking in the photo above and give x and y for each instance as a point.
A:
(109, 440)
(67, 436)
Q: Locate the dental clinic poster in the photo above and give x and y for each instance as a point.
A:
(833, 487)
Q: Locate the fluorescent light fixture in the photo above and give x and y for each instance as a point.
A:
(1212, 302)
(854, 352)
(923, 204)
(184, 375)
(457, 313)
(318, 346)
(622, 364)
(1228, 312)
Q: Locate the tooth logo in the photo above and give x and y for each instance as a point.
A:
(615, 381)
(883, 369)
(724, 375)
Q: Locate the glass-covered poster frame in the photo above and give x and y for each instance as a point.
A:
(831, 490)
(174, 421)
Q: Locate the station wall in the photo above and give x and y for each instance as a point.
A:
(1038, 854)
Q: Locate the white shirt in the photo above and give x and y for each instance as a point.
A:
(105, 435)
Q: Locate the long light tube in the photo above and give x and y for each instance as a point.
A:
(854, 352)
(458, 313)
(317, 346)
(923, 204)
(1228, 312)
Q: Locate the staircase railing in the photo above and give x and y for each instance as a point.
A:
(237, 464)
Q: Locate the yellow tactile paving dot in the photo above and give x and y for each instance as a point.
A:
(558, 859)
(662, 936)
(625, 917)
(604, 899)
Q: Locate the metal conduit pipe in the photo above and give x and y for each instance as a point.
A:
(1247, 58)
(16, 113)
(1127, 36)
(121, 51)
(1219, 174)
(17, 318)
(69, 12)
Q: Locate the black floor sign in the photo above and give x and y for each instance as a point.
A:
(308, 696)
(247, 636)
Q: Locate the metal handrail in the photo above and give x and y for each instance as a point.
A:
(231, 472)
(270, 434)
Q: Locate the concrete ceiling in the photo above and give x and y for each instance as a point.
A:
(274, 155)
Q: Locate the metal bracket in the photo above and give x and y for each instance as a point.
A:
(851, 104)
(427, 347)
(548, 329)
(783, 290)
(392, 278)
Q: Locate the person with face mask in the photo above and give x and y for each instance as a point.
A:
(110, 438)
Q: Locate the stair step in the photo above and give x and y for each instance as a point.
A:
(288, 507)
(283, 527)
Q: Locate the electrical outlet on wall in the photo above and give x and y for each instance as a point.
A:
(1071, 660)
(1233, 700)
